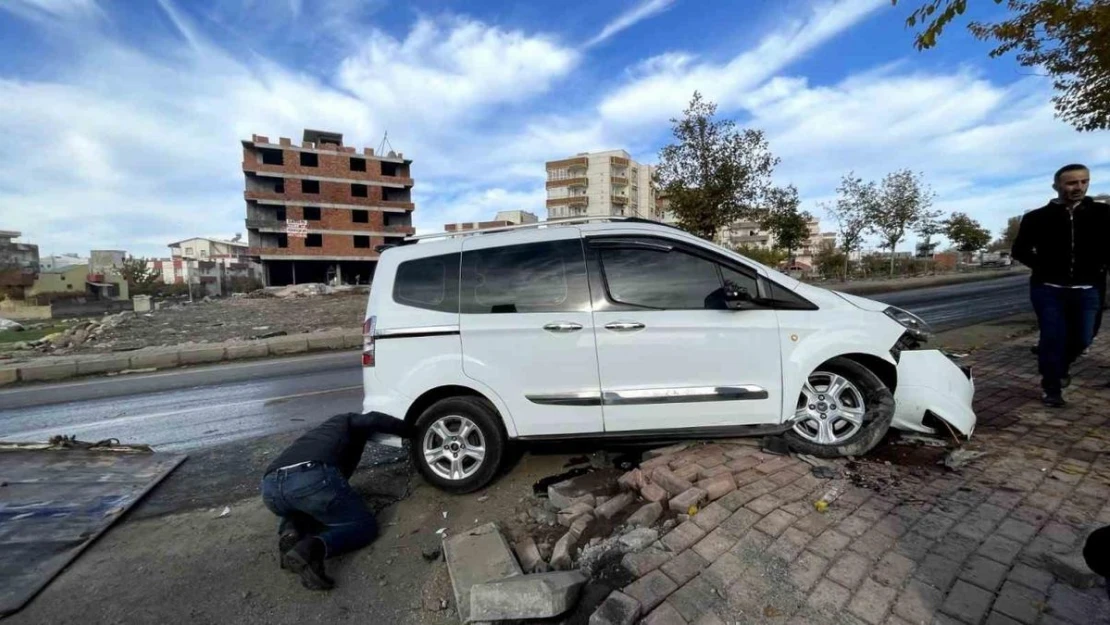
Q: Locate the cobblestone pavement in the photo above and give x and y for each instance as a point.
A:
(928, 545)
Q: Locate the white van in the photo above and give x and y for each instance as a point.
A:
(630, 329)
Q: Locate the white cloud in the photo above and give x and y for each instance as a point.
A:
(642, 11)
(662, 86)
(42, 10)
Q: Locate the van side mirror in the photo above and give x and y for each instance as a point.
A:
(736, 296)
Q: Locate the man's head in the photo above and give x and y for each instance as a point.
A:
(1071, 182)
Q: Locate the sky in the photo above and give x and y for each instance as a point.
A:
(122, 119)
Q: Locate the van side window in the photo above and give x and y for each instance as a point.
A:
(667, 280)
(528, 278)
(431, 283)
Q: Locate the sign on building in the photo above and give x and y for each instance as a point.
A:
(296, 228)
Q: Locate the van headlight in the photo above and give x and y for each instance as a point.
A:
(914, 325)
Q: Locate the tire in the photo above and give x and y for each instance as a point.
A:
(451, 415)
(877, 412)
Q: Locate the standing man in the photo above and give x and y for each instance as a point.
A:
(321, 515)
(1064, 244)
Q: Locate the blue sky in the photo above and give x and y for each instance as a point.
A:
(122, 119)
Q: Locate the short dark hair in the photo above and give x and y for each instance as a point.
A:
(1066, 168)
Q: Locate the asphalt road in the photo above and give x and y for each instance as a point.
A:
(190, 409)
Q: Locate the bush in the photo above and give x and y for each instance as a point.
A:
(829, 262)
(242, 285)
(771, 258)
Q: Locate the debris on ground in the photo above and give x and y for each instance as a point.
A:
(960, 457)
(825, 472)
(8, 324)
(535, 596)
(478, 556)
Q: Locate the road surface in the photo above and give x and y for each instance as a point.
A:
(188, 409)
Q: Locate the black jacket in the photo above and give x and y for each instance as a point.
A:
(339, 441)
(1068, 248)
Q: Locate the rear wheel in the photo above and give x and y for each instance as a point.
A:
(843, 410)
(458, 444)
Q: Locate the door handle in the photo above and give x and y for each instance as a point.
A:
(563, 326)
(624, 326)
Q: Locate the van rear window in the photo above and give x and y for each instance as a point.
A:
(431, 283)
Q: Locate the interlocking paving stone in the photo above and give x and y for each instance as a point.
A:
(872, 601)
(893, 569)
(714, 544)
(775, 523)
(651, 589)
(967, 602)
(830, 543)
(828, 595)
(918, 602)
(683, 537)
(984, 572)
(685, 566)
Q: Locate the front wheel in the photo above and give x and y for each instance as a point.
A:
(458, 444)
(844, 409)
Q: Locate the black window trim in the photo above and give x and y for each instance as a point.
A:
(599, 284)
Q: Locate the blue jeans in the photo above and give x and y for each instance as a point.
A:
(319, 501)
(1067, 319)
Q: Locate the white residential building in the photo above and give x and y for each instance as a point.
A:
(600, 184)
(751, 234)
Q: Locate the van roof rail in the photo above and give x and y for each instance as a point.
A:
(566, 221)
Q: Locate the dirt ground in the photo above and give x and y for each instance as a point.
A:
(207, 322)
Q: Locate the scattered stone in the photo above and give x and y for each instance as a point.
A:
(653, 493)
(1072, 569)
(669, 524)
(582, 524)
(569, 492)
(545, 550)
(617, 609)
(542, 595)
(638, 539)
(664, 451)
(475, 557)
(562, 557)
(612, 507)
(568, 516)
(528, 554)
(543, 516)
(718, 486)
(647, 515)
(633, 480)
(670, 482)
(690, 498)
(825, 472)
(959, 457)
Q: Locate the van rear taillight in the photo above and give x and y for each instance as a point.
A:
(368, 341)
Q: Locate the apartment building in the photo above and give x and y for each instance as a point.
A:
(600, 184)
(317, 212)
(751, 234)
(502, 219)
(19, 264)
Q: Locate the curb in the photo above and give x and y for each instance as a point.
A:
(51, 369)
(864, 288)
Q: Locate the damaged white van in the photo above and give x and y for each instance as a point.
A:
(630, 329)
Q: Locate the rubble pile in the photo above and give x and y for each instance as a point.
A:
(88, 331)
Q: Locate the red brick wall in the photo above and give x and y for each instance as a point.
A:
(330, 165)
(334, 245)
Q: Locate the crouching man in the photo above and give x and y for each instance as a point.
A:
(321, 516)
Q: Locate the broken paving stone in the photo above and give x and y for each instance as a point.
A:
(582, 524)
(638, 539)
(960, 457)
(570, 515)
(633, 480)
(565, 494)
(690, 498)
(528, 554)
(475, 557)
(617, 609)
(647, 515)
(562, 557)
(825, 472)
(670, 482)
(542, 595)
(654, 493)
(1071, 568)
(664, 451)
(612, 507)
(718, 486)
(543, 516)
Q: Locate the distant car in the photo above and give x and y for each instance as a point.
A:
(996, 259)
(633, 330)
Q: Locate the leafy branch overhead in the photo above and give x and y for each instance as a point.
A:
(714, 174)
(1067, 39)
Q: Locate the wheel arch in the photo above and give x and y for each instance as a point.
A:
(884, 370)
(430, 397)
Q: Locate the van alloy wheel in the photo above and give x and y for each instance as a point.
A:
(830, 409)
(454, 447)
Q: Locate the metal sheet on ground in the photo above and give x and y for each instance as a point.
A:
(55, 502)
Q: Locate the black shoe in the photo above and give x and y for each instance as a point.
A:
(286, 541)
(307, 560)
(1054, 400)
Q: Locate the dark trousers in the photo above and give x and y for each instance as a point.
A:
(318, 501)
(1067, 319)
(1101, 303)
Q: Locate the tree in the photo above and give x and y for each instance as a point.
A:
(829, 261)
(140, 276)
(770, 257)
(929, 226)
(856, 201)
(714, 174)
(1069, 40)
(790, 227)
(903, 201)
(1009, 235)
(968, 235)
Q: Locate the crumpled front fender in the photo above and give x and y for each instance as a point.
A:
(930, 382)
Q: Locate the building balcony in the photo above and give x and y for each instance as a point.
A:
(399, 230)
(620, 181)
(619, 161)
(580, 181)
(577, 161)
(265, 224)
(573, 201)
(620, 200)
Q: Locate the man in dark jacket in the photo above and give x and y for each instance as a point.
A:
(1064, 244)
(321, 516)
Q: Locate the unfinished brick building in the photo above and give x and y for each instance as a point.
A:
(317, 212)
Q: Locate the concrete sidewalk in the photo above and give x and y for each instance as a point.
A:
(993, 542)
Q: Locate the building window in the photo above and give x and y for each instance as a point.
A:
(279, 186)
(204, 253)
(69, 287)
(362, 242)
(311, 213)
(358, 164)
(283, 240)
(279, 214)
(314, 240)
(310, 186)
(188, 251)
(391, 169)
(309, 159)
(360, 217)
(358, 190)
(272, 157)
